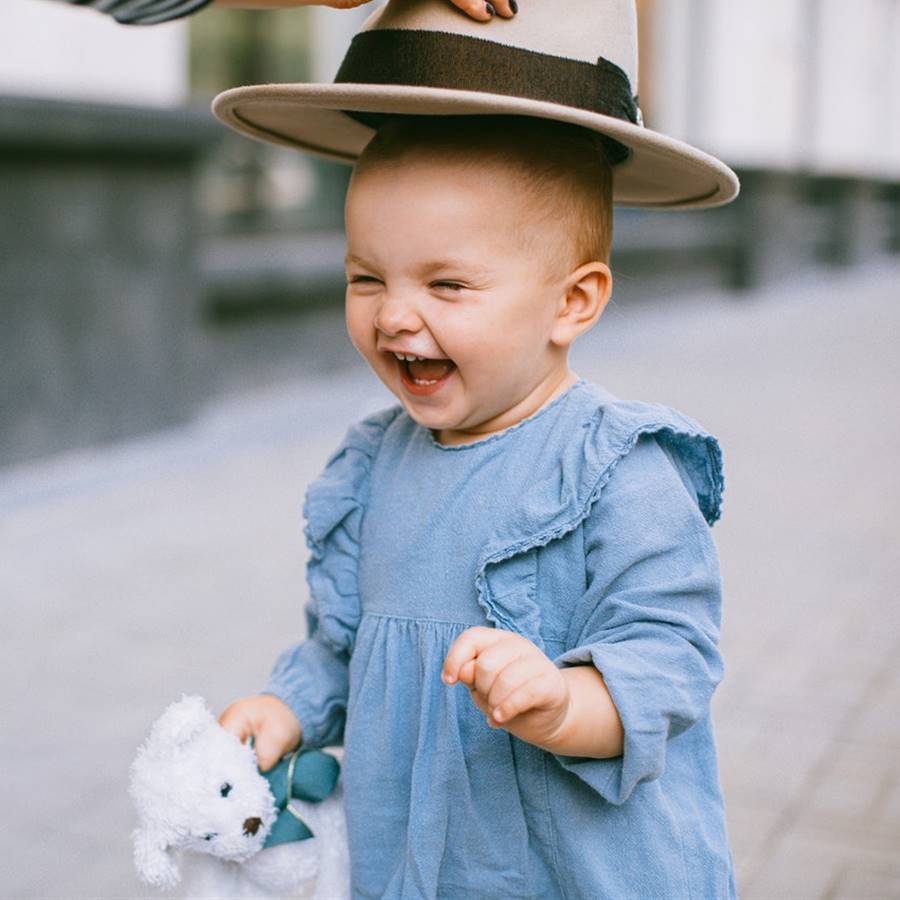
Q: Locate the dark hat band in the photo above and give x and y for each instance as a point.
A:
(439, 59)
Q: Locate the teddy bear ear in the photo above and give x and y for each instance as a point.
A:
(154, 859)
(181, 722)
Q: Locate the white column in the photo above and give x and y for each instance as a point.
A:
(890, 107)
(58, 51)
(753, 81)
(728, 76)
(785, 84)
(667, 96)
(333, 29)
(852, 83)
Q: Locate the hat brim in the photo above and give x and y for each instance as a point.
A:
(660, 171)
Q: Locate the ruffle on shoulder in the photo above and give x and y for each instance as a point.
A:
(565, 485)
(334, 507)
(697, 452)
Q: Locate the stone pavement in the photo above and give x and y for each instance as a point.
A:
(136, 572)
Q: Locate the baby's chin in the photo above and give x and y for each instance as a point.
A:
(437, 423)
(452, 432)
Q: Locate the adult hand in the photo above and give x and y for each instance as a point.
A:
(480, 10)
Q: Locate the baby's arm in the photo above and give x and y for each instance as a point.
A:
(308, 685)
(271, 722)
(567, 711)
(648, 621)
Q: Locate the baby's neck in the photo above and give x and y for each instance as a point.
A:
(545, 392)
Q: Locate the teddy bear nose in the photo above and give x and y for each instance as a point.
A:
(251, 826)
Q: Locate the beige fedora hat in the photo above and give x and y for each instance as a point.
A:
(573, 61)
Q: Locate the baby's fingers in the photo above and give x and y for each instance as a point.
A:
(270, 745)
(465, 649)
(526, 696)
(236, 720)
(510, 677)
(270, 721)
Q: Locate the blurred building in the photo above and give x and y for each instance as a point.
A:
(803, 98)
(132, 223)
(99, 288)
(794, 85)
(114, 179)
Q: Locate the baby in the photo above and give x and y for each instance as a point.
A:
(515, 596)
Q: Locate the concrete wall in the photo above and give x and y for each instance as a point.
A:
(100, 332)
(99, 295)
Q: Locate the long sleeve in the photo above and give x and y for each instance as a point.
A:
(312, 679)
(143, 12)
(312, 676)
(650, 615)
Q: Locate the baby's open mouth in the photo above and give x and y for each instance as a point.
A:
(426, 371)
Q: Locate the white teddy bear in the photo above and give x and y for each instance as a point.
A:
(204, 807)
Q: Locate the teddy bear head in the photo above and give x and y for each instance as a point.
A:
(196, 787)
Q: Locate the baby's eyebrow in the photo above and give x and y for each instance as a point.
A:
(352, 257)
(460, 265)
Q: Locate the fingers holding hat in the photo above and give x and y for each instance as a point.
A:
(505, 8)
(485, 10)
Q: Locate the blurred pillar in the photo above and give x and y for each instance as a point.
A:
(250, 68)
(332, 29)
(99, 330)
(853, 224)
(893, 206)
(852, 98)
(764, 248)
(803, 97)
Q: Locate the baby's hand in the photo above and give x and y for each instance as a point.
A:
(511, 681)
(275, 728)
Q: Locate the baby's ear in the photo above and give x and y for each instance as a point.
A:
(587, 291)
(181, 722)
(154, 858)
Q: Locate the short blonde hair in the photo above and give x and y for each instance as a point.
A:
(565, 171)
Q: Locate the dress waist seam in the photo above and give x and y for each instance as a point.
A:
(425, 620)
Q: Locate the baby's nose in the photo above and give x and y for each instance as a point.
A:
(397, 315)
(251, 825)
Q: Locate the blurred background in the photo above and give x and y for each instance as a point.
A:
(174, 371)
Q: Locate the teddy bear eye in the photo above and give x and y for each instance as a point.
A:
(210, 836)
(225, 790)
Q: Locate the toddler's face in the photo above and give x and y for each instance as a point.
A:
(437, 268)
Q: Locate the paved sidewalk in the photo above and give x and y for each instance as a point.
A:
(133, 573)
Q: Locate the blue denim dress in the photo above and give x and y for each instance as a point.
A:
(585, 528)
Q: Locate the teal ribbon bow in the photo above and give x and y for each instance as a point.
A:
(309, 775)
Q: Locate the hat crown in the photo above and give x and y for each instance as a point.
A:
(572, 62)
(586, 31)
